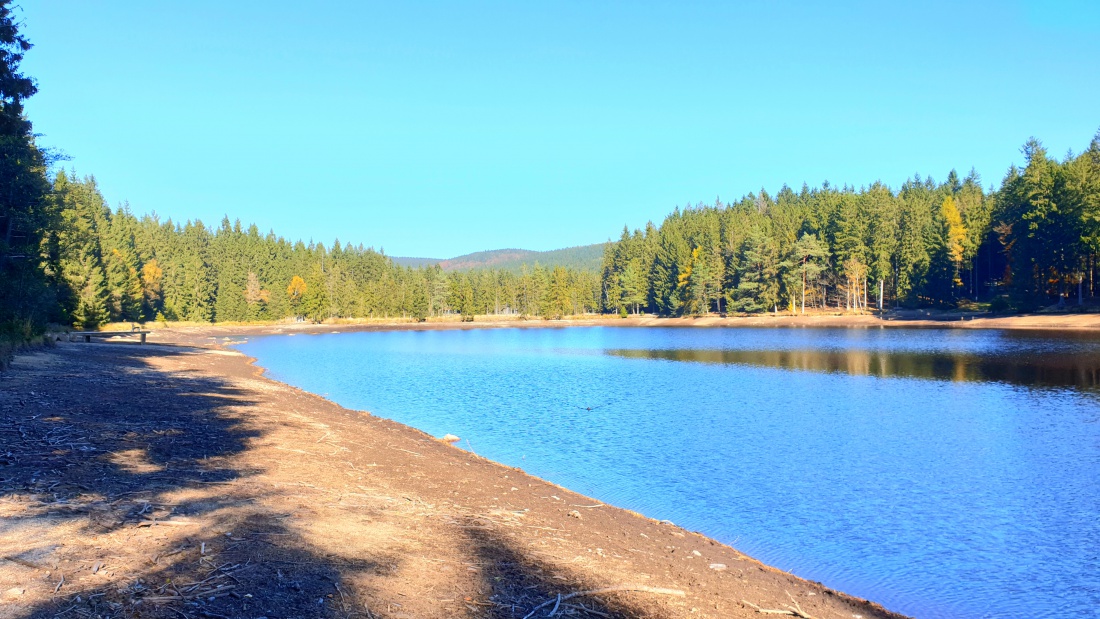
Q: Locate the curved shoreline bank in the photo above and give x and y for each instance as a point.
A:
(203, 335)
(402, 524)
(621, 518)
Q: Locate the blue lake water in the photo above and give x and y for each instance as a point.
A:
(942, 473)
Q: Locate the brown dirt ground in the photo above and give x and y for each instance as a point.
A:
(172, 480)
(1079, 322)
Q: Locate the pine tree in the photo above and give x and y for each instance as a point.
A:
(27, 217)
(91, 294)
(758, 286)
(84, 221)
(806, 262)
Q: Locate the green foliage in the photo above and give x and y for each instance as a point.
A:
(120, 267)
(803, 269)
(927, 244)
(757, 287)
(65, 255)
(27, 269)
(1047, 217)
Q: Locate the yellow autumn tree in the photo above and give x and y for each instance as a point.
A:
(295, 290)
(151, 277)
(683, 282)
(955, 234)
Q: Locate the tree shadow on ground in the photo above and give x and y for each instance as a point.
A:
(110, 454)
(518, 584)
(128, 456)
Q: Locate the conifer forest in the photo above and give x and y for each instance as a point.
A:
(68, 257)
(1031, 242)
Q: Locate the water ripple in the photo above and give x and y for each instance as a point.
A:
(940, 473)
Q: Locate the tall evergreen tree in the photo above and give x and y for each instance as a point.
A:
(27, 216)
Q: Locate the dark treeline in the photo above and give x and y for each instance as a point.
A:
(1031, 242)
(65, 256)
(114, 266)
(26, 293)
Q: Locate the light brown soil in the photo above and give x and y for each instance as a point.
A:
(175, 481)
(208, 335)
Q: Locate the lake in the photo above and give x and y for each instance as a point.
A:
(941, 473)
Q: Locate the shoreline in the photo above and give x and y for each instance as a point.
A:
(529, 539)
(203, 334)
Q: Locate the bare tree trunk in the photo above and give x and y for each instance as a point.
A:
(803, 291)
(1092, 271)
(880, 284)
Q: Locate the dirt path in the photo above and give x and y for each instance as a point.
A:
(165, 481)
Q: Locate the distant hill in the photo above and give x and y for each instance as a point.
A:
(582, 258)
(415, 262)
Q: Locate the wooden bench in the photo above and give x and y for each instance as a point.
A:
(88, 335)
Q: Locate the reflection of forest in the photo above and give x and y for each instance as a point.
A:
(1060, 370)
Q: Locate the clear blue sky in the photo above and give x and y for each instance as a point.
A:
(436, 129)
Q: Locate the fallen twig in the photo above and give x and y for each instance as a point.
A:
(209, 594)
(767, 611)
(793, 611)
(796, 608)
(66, 610)
(577, 594)
(343, 601)
(154, 522)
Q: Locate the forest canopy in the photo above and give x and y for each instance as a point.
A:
(1030, 242)
(68, 257)
(116, 266)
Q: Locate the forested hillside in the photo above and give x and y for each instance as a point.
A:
(1032, 242)
(116, 266)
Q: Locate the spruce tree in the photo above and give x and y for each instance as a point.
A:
(27, 216)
